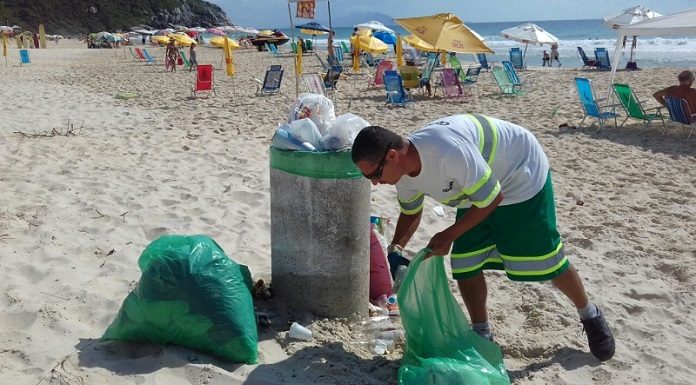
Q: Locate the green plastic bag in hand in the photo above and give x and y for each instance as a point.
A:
(441, 347)
(190, 294)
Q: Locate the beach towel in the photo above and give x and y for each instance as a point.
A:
(441, 347)
(190, 294)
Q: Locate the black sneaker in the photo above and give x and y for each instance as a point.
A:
(599, 336)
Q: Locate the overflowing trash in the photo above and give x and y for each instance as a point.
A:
(313, 126)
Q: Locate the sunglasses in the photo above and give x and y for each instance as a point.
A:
(378, 172)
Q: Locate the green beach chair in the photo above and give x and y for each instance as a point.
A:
(135, 57)
(506, 86)
(308, 46)
(633, 108)
(345, 47)
(293, 47)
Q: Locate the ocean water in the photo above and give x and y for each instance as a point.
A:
(677, 52)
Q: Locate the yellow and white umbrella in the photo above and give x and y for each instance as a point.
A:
(371, 44)
(445, 32)
(229, 63)
(298, 60)
(181, 39)
(219, 42)
(399, 52)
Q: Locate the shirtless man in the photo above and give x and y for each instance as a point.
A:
(683, 90)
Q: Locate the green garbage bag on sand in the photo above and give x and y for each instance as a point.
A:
(190, 294)
(441, 347)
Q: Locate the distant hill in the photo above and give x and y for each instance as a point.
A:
(83, 16)
(352, 19)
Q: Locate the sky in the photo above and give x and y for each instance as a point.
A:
(274, 13)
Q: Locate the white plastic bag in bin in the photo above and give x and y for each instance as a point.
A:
(343, 132)
(306, 131)
(319, 108)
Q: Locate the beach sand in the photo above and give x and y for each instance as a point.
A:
(76, 211)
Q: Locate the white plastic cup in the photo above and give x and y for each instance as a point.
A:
(299, 332)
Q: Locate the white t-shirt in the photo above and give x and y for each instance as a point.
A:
(468, 159)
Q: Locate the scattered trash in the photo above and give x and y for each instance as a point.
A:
(263, 320)
(262, 290)
(578, 198)
(300, 332)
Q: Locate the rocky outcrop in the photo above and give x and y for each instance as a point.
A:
(190, 14)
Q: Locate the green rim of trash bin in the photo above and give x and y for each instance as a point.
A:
(319, 165)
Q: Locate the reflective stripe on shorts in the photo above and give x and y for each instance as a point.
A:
(475, 260)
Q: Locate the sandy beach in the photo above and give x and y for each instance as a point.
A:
(77, 210)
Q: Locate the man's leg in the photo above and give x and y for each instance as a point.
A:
(475, 293)
(569, 283)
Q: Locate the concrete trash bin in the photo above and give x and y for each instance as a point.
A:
(320, 222)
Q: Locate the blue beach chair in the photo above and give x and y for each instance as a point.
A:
(602, 59)
(516, 58)
(150, 58)
(590, 104)
(396, 95)
(679, 112)
(338, 52)
(333, 73)
(483, 61)
(512, 74)
(24, 56)
(586, 61)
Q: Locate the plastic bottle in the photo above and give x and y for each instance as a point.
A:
(284, 141)
(392, 300)
(399, 278)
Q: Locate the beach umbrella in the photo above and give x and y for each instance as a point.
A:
(387, 37)
(298, 60)
(313, 26)
(4, 47)
(160, 39)
(529, 33)
(219, 41)
(229, 63)
(215, 31)
(196, 29)
(164, 32)
(371, 44)
(181, 39)
(399, 52)
(145, 31)
(375, 26)
(627, 17)
(418, 43)
(355, 53)
(445, 32)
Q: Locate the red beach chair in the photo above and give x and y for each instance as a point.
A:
(204, 79)
(139, 52)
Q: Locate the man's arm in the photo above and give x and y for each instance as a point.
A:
(660, 96)
(441, 243)
(406, 226)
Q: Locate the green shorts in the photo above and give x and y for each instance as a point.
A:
(521, 239)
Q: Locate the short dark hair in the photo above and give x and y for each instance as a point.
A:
(686, 75)
(373, 142)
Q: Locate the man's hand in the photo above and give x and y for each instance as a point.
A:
(440, 244)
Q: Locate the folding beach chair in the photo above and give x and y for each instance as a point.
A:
(396, 95)
(633, 108)
(410, 77)
(308, 46)
(454, 62)
(587, 62)
(512, 74)
(516, 58)
(333, 74)
(204, 79)
(345, 47)
(483, 61)
(428, 69)
(470, 79)
(590, 104)
(384, 65)
(451, 86)
(602, 59)
(503, 80)
(150, 58)
(271, 81)
(313, 83)
(272, 49)
(135, 57)
(680, 112)
(24, 57)
(293, 47)
(338, 53)
(322, 62)
(139, 52)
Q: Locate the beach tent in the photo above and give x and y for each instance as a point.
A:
(445, 32)
(682, 23)
(630, 16)
(529, 33)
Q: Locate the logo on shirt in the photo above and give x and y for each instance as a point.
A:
(449, 187)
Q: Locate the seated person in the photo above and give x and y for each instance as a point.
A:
(683, 91)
